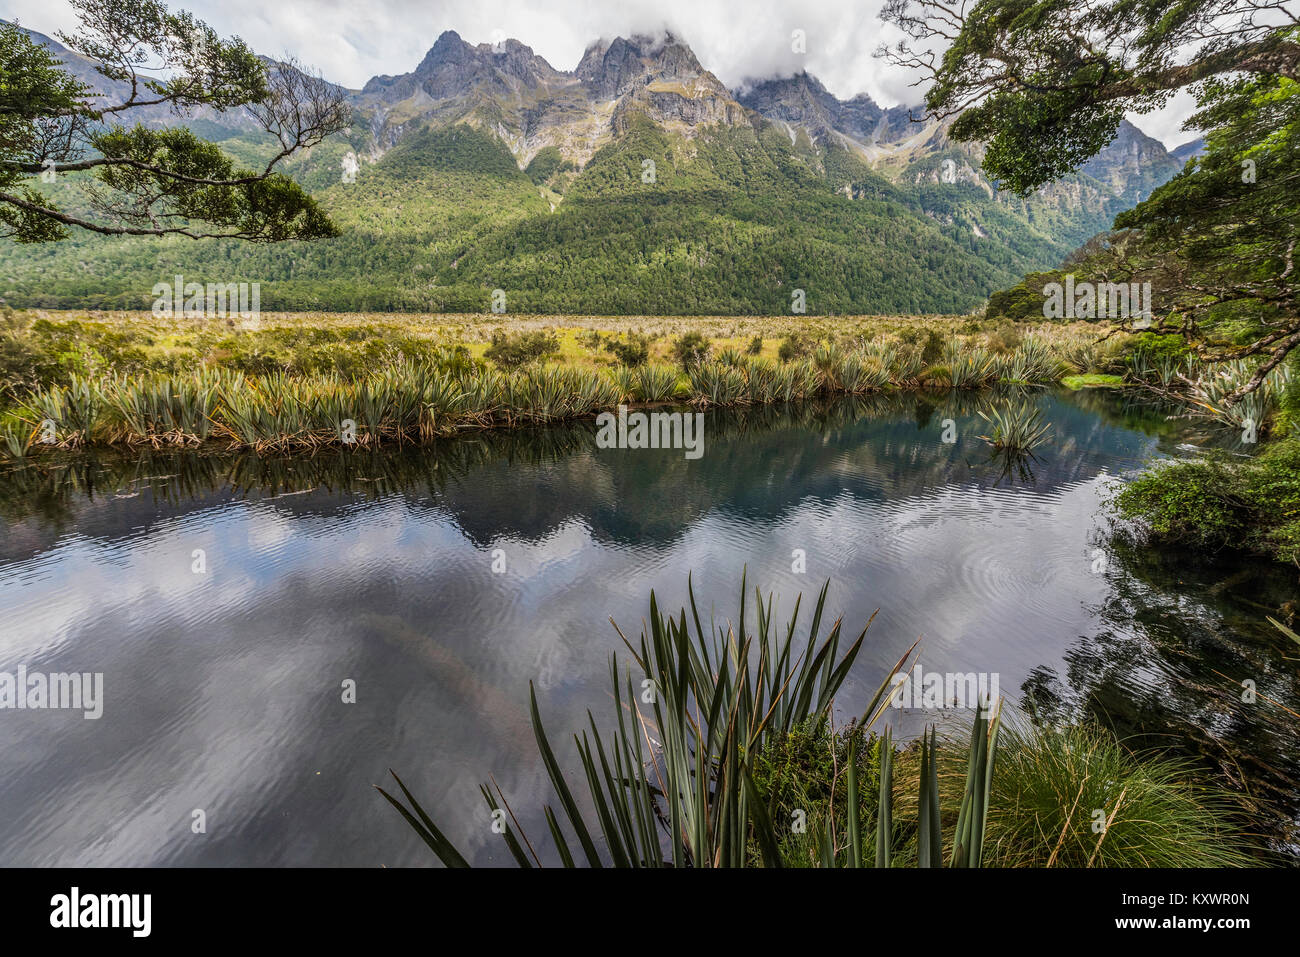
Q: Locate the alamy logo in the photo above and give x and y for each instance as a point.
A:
(216, 300)
(133, 911)
(1103, 300)
(933, 690)
(651, 430)
(35, 691)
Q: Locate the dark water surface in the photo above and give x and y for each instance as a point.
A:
(223, 689)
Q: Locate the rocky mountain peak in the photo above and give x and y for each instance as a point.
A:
(452, 67)
(1133, 164)
(448, 48)
(615, 68)
(801, 101)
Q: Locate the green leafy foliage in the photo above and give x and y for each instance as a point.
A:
(543, 167)
(691, 349)
(122, 180)
(632, 351)
(1032, 80)
(1216, 503)
(513, 350)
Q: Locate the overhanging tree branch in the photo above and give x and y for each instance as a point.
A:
(146, 179)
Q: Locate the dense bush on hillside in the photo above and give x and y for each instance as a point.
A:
(731, 224)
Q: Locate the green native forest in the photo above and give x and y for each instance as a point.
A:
(724, 471)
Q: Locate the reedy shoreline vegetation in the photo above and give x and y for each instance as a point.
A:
(53, 483)
(287, 384)
(1216, 501)
(732, 763)
(416, 389)
(1179, 375)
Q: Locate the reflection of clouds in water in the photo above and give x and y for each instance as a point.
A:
(543, 620)
(223, 689)
(182, 729)
(221, 739)
(271, 532)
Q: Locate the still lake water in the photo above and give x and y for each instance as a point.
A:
(223, 689)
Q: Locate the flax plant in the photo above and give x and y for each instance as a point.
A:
(420, 399)
(1016, 428)
(672, 784)
(72, 410)
(713, 383)
(1217, 382)
(968, 367)
(656, 383)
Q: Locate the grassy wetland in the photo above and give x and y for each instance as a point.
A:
(292, 381)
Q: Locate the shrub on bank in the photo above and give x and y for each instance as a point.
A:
(1214, 503)
(691, 349)
(792, 347)
(632, 352)
(512, 351)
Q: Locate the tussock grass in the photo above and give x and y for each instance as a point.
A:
(1076, 797)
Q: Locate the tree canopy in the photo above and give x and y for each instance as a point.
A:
(1046, 83)
(148, 180)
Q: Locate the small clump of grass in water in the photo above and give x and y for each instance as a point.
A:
(1016, 428)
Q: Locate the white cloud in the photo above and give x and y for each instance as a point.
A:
(350, 42)
(1165, 124)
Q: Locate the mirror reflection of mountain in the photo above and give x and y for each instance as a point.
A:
(527, 482)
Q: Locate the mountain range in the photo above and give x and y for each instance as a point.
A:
(637, 183)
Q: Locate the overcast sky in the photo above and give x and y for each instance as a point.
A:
(349, 41)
